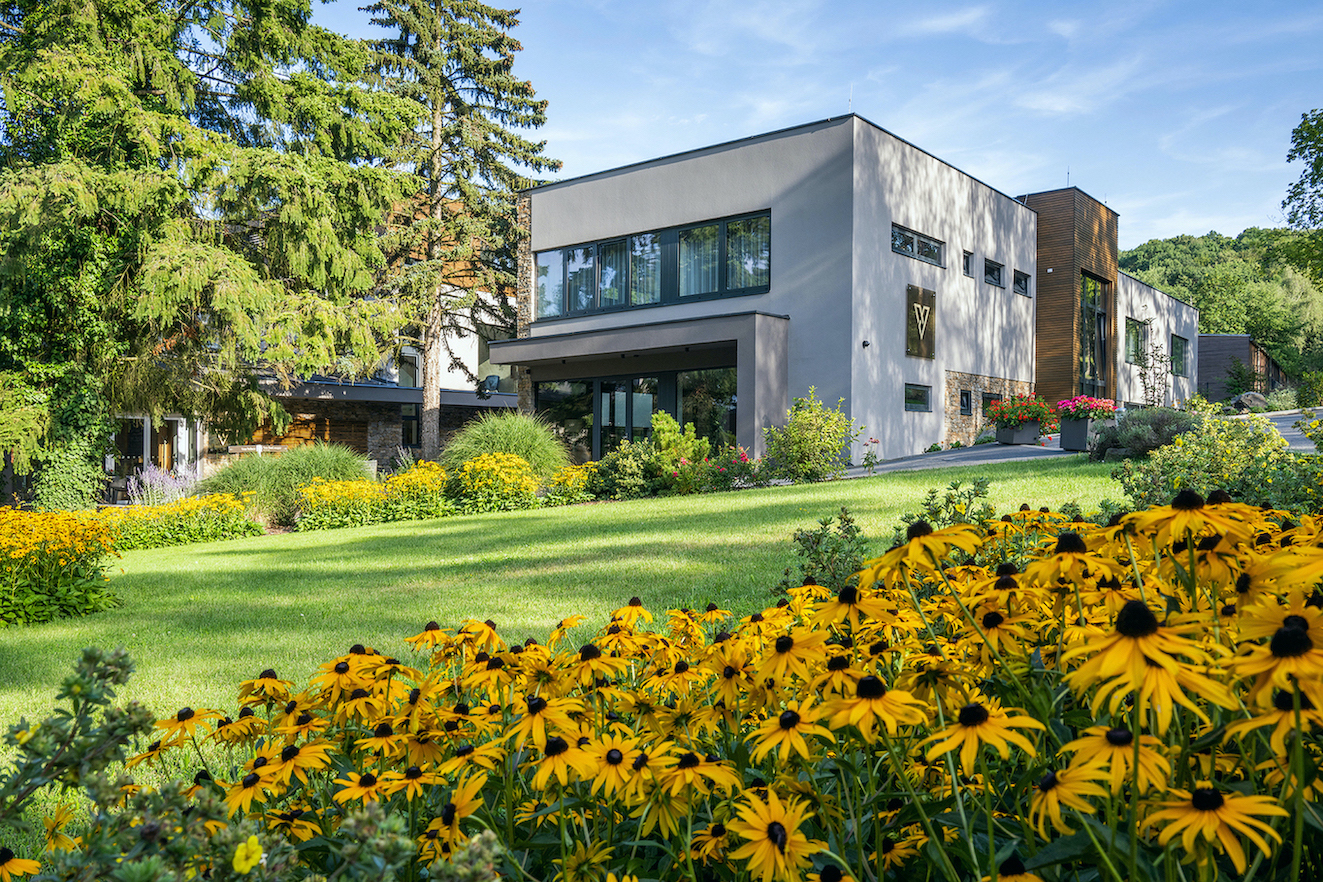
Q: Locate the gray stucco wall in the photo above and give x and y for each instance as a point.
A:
(1142, 302)
(980, 328)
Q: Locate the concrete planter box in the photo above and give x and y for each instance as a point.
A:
(1025, 433)
(1075, 434)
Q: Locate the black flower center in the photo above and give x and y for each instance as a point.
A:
(1007, 569)
(1070, 543)
(588, 652)
(614, 757)
(448, 814)
(536, 704)
(185, 714)
(358, 694)
(250, 780)
(973, 715)
(785, 643)
(342, 667)
(756, 617)
(838, 663)
(268, 674)
(712, 607)
(1290, 643)
(717, 830)
(246, 713)
(640, 761)
(431, 626)
(1012, 866)
(915, 530)
(1047, 782)
(1206, 799)
(1187, 500)
(634, 601)
(289, 753)
(729, 672)
(832, 873)
(688, 761)
(681, 667)
(368, 780)
(495, 664)
(556, 746)
(992, 619)
(871, 687)
(202, 777)
(1296, 622)
(490, 624)
(849, 595)
(413, 773)
(383, 730)
(776, 834)
(304, 719)
(5, 856)
(1136, 620)
(789, 719)
(1120, 737)
(259, 762)
(464, 751)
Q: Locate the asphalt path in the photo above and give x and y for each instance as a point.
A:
(981, 454)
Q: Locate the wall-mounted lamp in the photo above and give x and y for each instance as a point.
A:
(865, 344)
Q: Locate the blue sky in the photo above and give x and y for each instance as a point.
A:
(1176, 114)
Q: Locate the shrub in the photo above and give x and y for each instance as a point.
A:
(960, 504)
(569, 486)
(831, 555)
(207, 518)
(1143, 430)
(494, 482)
(274, 481)
(675, 446)
(1282, 398)
(812, 445)
(1247, 457)
(69, 477)
(631, 471)
(1309, 392)
(418, 493)
(52, 566)
(527, 437)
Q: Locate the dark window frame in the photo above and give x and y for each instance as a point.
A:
(990, 269)
(1020, 283)
(668, 271)
(927, 398)
(1141, 340)
(967, 262)
(966, 402)
(1185, 356)
(407, 421)
(919, 238)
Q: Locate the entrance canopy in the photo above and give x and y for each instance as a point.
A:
(754, 343)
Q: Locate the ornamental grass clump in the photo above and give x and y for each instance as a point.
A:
(270, 483)
(208, 518)
(52, 566)
(1016, 699)
(523, 435)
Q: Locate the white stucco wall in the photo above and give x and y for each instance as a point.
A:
(1167, 316)
(980, 328)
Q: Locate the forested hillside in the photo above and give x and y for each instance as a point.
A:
(1242, 285)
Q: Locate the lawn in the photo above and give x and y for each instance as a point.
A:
(200, 618)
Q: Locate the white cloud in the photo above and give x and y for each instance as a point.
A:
(964, 21)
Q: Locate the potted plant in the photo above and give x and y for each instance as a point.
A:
(1018, 418)
(1081, 417)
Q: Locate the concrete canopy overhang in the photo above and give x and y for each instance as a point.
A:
(754, 343)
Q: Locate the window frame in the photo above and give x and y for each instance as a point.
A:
(667, 242)
(1022, 289)
(1185, 356)
(967, 262)
(919, 239)
(1141, 341)
(988, 265)
(966, 402)
(927, 398)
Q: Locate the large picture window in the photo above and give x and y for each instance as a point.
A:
(1180, 356)
(1093, 335)
(1136, 340)
(714, 259)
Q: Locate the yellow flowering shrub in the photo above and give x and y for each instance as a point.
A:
(52, 565)
(415, 494)
(207, 518)
(570, 484)
(1018, 699)
(494, 482)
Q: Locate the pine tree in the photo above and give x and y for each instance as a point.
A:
(454, 249)
(190, 192)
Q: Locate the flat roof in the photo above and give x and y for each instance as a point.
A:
(772, 134)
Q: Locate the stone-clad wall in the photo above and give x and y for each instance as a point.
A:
(966, 427)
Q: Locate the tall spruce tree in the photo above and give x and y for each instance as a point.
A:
(454, 244)
(190, 191)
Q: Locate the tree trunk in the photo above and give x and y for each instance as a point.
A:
(434, 346)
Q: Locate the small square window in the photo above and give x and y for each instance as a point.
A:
(994, 273)
(918, 398)
(966, 402)
(1021, 283)
(969, 264)
(989, 399)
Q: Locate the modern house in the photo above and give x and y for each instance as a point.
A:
(1218, 357)
(720, 283)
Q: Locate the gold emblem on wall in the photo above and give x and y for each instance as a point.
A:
(920, 321)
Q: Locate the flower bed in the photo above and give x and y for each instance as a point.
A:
(207, 518)
(1086, 407)
(52, 565)
(415, 494)
(1013, 700)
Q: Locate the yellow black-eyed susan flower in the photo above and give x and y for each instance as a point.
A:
(775, 847)
(1112, 749)
(584, 863)
(241, 795)
(1064, 787)
(787, 732)
(982, 721)
(56, 838)
(12, 866)
(873, 703)
(1208, 817)
(365, 787)
(1281, 716)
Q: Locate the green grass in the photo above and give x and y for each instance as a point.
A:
(198, 619)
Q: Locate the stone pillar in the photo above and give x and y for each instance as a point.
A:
(525, 279)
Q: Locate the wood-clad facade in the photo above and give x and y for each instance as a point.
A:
(1077, 237)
